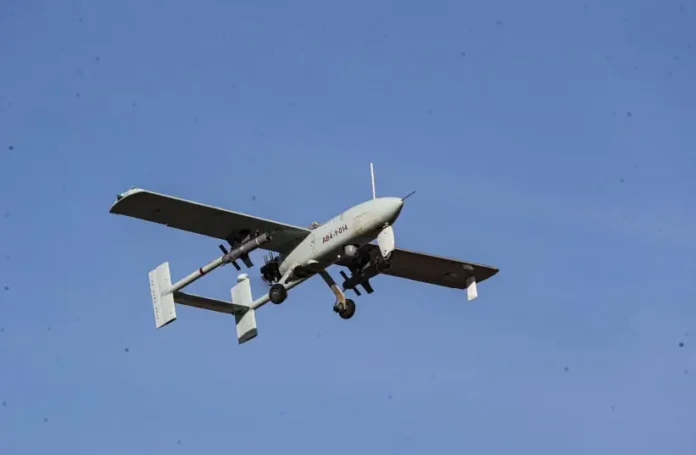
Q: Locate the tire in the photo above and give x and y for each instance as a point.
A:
(349, 310)
(277, 294)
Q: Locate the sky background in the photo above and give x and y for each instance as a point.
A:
(554, 140)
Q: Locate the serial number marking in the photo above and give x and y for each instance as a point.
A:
(335, 233)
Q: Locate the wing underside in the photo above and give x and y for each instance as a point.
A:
(204, 219)
(428, 268)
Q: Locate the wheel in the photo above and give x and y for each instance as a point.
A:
(278, 294)
(348, 310)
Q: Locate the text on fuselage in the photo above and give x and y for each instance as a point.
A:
(332, 235)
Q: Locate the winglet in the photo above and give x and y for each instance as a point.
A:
(471, 290)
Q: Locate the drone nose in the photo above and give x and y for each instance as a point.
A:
(396, 205)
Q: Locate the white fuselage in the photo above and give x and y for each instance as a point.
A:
(358, 225)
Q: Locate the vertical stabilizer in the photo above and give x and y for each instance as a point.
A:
(245, 320)
(162, 299)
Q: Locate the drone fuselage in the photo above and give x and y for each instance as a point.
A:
(326, 244)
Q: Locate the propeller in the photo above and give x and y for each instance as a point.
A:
(374, 193)
(266, 259)
(385, 239)
(257, 280)
(386, 242)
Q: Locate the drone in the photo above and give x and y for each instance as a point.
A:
(360, 239)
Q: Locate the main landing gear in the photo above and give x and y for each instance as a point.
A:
(278, 292)
(270, 274)
(343, 306)
(346, 309)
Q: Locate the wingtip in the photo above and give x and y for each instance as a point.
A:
(121, 196)
(494, 272)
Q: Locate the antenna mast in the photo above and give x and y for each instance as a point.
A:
(372, 173)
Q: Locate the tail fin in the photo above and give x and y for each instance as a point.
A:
(245, 319)
(162, 300)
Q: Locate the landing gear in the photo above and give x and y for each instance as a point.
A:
(343, 306)
(346, 310)
(277, 294)
(269, 271)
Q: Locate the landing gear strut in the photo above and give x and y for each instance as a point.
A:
(343, 306)
(346, 309)
(277, 294)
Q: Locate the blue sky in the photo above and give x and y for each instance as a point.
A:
(551, 139)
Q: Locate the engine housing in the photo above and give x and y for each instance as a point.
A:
(350, 250)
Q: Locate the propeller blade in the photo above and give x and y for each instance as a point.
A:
(386, 242)
(259, 284)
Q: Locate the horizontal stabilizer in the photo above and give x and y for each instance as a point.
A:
(206, 303)
(162, 300)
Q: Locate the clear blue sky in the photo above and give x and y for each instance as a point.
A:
(510, 119)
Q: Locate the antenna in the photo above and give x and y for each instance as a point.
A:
(372, 173)
(408, 195)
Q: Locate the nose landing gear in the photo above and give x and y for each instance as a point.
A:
(277, 294)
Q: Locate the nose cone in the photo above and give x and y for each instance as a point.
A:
(392, 208)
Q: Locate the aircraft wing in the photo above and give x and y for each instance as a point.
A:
(204, 219)
(437, 270)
